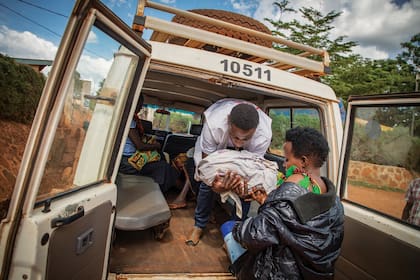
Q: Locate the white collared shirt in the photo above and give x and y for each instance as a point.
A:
(215, 133)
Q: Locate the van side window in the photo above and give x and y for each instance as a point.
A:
(286, 118)
(384, 158)
(84, 138)
(15, 122)
(170, 119)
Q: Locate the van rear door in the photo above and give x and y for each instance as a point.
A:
(380, 160)
(60, 219)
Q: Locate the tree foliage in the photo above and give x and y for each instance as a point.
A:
(178, 122)
(282, 122)
(314, 30)
(400, 116)
(351, 73)
(362, 76)
(411, 53)
(20, 90)
(396, 142)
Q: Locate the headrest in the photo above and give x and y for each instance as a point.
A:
(195, 129)
(147, 126)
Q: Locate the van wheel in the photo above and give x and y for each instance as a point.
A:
(226, 16)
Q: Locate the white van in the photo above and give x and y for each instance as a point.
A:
(64, 220)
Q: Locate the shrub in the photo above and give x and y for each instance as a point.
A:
(20, 90)
(413, 158)
(389, 148)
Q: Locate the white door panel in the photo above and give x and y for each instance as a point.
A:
(61, 215)
(87, 212)
(379, 163)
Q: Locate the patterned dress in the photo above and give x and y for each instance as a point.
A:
(413, 196)
(305, 182)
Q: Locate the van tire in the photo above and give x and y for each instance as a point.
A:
(226, 16)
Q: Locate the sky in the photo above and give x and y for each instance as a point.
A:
(33, 28)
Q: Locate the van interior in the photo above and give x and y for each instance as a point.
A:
(150, 237)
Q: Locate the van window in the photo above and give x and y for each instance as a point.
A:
(18, 105)
(384, 157)
(173, 120)
(286, 118)
(93, 96)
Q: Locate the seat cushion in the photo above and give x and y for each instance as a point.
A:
(140, 203)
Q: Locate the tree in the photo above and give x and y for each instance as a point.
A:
(411, 54)
(20, 90)
(351, 73)
(315, 32)
(283, 7)
(361, 76)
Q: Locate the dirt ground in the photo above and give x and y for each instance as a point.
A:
(391, 203)
(12, 143)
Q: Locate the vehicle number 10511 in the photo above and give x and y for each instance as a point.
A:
(245, 69)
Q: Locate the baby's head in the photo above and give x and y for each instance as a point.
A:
(305, 147)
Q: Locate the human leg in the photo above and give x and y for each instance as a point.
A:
(181, 200)
(204, 206)
(245, 210)
(126, 168)
(162, 173)
(203, 209)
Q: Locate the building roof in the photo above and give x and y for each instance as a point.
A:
(36, 64)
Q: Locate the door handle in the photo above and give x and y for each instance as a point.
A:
(100, 98)
(60, 221)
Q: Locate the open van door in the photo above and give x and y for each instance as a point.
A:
(380, 163)
(60, 217)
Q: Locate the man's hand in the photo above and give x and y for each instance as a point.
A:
(241, 189)
(228, 181)
(259, 194)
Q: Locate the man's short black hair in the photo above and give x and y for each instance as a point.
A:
(244, 116)
(308, 142)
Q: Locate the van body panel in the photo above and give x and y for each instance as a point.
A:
(252, 72)
(377, 244)
(67, 233)
(44, 232)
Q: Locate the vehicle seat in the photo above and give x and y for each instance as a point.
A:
(195, 129)
(141, 205)
(180, 143)
(147, 126)
(176, 144)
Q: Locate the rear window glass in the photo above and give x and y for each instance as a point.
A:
(169, 119)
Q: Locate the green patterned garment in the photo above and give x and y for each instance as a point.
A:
(304, 183)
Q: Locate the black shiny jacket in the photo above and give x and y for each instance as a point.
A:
(296, 235)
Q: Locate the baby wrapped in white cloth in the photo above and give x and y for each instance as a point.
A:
(256, 169)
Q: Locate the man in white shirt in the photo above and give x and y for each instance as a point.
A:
(229, 124)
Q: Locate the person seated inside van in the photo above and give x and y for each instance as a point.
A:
(142, 155)
(299, 228)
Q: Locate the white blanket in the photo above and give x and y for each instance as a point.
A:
(256, 169)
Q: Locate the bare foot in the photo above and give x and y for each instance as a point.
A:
(177, 204)
(195, 236)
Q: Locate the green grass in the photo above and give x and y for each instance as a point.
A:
(372, 186)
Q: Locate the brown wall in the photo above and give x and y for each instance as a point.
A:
(380, 175)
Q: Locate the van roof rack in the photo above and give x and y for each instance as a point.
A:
(302, 63)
